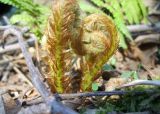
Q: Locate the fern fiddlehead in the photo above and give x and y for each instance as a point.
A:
(99, 42)
(94, 39)
(60, 28)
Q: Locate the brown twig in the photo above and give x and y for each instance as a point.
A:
(12, 87)
(6, 20)
(37, 48)
(2, 108)
(34, 101)
(7, 61)
(142, 82)
(6, 74)
(91, 94)
(102, 93)
(151, 38)
(56, 107)
(3, 91)
(20, 74)
(15, 47)
(143, 27)
(148, 70)
(2, 28)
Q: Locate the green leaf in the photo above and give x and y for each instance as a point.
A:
(143, 9)
(85, 6)
(98, 2)
(112, 61)
(107, 67)
(94, 86)
(122, 41)
(24, 19)
(129, 74)
(126, 74)
(135, 75)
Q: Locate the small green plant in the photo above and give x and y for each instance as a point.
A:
(123, 12)
(130, 74)
(94, 86)
(108, 107)
(29, 14)
(131, 102)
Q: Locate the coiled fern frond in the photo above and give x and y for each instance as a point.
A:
(100, 41)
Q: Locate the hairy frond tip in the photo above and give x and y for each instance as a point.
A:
(99, 35)
(61, 28)
(100, 41)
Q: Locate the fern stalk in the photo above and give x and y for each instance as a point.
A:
(61, 26)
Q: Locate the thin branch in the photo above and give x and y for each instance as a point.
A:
(56, 107)
(91, 94)
(142, 82)
(2, 28)
(2, 107)
(103, 93)
(151, 38)
(14, 47)
(144, 27)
